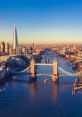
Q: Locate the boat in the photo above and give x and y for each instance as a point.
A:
(46, 80)
(77, 85)
(2, 73)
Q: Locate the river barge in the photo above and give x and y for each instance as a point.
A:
(2, 73)
(77, 85)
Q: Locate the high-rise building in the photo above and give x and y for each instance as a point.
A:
(33, 45)
(24, 50)
(7, 48)
(15, 41)
(2, 47)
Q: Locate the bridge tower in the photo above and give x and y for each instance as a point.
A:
(32, 68)
(55, 71)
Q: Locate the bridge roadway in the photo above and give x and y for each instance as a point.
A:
(43, 64)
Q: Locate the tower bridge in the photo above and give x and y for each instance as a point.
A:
(57, 70)
(54, 65)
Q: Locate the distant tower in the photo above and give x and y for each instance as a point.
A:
(7, 48)
(33, 45)
(15, 41)
(2, 47)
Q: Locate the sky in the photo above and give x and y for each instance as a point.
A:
(41, 21)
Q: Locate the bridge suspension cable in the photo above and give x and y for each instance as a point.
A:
(20, 72)
(61, 71)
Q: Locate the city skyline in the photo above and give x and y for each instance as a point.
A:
(43, 21)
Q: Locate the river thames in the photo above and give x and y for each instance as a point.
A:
(25, 98)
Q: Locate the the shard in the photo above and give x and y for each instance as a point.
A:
(15, 41)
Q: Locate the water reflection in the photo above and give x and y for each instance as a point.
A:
(55, 89)
(2, 87)
(33, 86)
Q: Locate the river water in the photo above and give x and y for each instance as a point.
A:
(26, 98)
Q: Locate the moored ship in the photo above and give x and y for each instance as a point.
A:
(2, 73)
